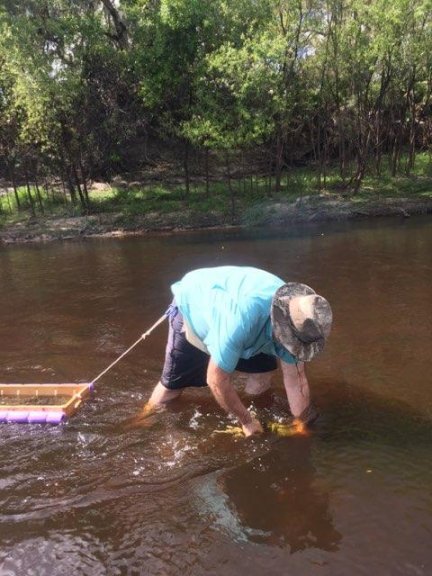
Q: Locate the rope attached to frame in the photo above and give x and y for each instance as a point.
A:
(142, 337)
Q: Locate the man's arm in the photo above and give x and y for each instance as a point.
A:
(297, 388)
(225, 394)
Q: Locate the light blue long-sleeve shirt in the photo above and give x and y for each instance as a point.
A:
(228, 309)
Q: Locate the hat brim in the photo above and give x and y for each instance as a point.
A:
(282, 324)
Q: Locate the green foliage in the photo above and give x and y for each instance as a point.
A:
(128, 205)
(342, 83)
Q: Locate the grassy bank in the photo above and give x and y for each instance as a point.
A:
(139, 204)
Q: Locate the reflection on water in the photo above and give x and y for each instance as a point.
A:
(275, 498)
(272, 500)
(353, 497)
(354, 414)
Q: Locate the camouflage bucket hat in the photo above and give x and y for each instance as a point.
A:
(301, 320)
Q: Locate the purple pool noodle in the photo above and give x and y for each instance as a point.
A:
(48, 417)
(18, 416)
(36, 417)
(32, 416)
(55, 417)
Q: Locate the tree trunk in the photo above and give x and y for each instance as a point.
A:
(78, 186)
(186, 168)
(279, 162)
(67, 175)
(84, 183)
(15, 189)
(412, 131)
(230, 186)
(63, 179)
(29, 196)
(243, 173)
(207, 177)
(121, 36)
(38, 194)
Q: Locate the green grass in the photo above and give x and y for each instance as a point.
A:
(129, 203)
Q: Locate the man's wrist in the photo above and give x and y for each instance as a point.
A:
(246, 418)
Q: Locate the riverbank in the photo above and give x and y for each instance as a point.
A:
(269, 213)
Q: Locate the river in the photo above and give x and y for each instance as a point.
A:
(96, 497)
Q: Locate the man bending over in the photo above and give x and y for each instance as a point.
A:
(232, 318)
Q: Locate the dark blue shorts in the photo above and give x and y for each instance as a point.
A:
(185, 365)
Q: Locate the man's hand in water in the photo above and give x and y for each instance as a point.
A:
(252, 428)
(295, 426)
(309, 414)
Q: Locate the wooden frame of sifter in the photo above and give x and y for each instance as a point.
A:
(41, 413)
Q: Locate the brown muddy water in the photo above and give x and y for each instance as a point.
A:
(93, 497)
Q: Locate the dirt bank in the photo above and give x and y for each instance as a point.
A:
(269, 213)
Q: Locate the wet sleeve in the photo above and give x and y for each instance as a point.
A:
(284, 354)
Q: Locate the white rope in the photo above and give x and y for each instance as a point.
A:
(142, 337)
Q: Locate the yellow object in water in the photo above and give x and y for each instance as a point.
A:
(284, 430)
(292, 429)
(235, 431)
